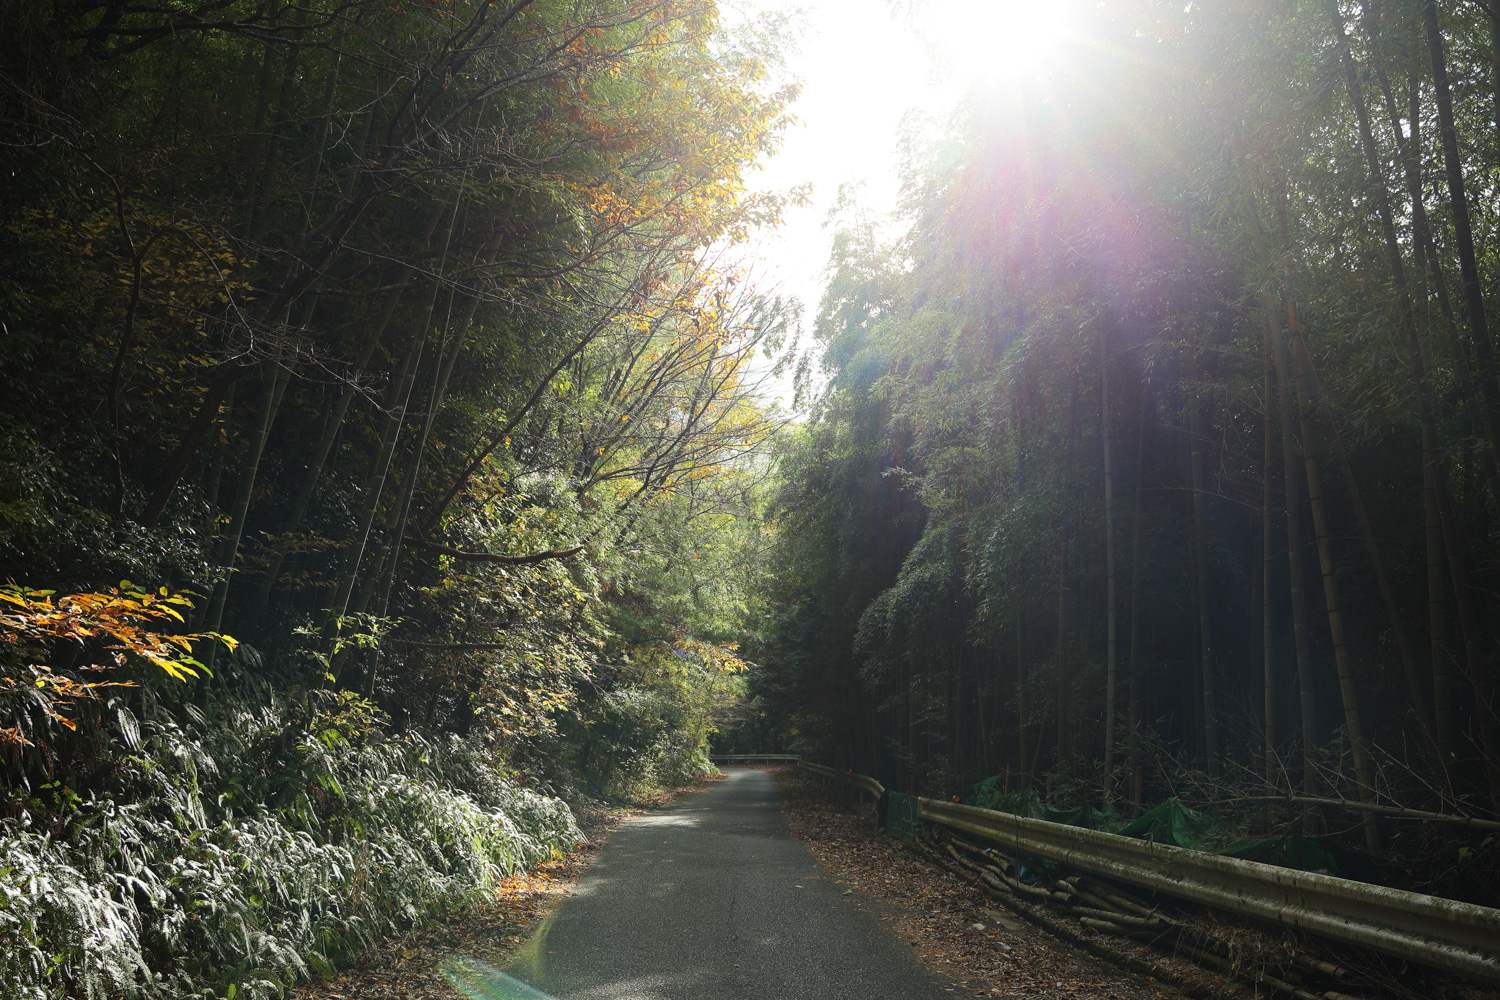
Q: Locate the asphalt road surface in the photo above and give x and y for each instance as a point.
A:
(714, 900)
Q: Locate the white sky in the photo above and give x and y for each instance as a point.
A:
(860, 73)
(863, 68)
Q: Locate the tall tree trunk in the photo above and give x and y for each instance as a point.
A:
(1429, 263)
(332, 424)
(439, 390)
(375, 482)
(1062, 639)
(1023, 715)
(1462, 228)
(394, 423)
(1064, 715)
(1453, 543)
(1109, 573)
(441, 375)
(1474, 660)
(1376, 183)
(1478, 667)
(1364, 770)
(1192, 692)
(1414, 690)
(1022, 722)
(1293, 491)
(986, 754)
(1200, 567)
(1437, 615)
(212, 618)
(1268, 555)
(1133, 711)
(334, 420)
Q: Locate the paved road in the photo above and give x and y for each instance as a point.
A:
(713, 900)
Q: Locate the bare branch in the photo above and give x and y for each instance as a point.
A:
(491, 557)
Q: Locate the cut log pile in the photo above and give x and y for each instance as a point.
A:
(1094, 905)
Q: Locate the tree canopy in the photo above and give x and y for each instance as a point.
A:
(1155, 455)
(380, 422)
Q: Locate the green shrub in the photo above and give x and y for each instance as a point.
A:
(255, 850)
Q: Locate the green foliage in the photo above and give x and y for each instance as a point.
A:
(410, 337)
(629, 743)
(249, 851)
(1139, 215)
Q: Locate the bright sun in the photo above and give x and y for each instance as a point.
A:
(997, 39)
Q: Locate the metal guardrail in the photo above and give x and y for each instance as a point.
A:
(747, 758)
(1442, 933)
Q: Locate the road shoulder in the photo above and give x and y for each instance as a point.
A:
(952, 928)
(405, 966)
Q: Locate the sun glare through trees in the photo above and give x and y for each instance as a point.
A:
(392, 467)
(997, 40)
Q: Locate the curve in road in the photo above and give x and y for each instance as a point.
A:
(713, 900)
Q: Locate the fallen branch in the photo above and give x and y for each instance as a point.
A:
(1108, 927)
(1395, 812)
(1140, 923)
(1148, 927)
(447, 646)
(491, 557)
(1322, 968)
(1000, 880)
(1137, 964)
(1120, 902)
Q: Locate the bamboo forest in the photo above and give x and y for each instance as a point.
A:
(402, 443)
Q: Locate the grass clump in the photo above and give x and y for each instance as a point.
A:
(242, 849)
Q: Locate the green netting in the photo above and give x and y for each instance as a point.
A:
(901, 817)
(988, 794)
(1287, 852)
(1173, 823)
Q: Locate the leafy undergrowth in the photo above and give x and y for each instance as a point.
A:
(242, 850)
(406, 965)
(936, 913)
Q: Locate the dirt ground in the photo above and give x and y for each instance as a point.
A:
(982, 945)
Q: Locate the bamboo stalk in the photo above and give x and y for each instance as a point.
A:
(1294, 545)
(213, 614)
(1133, 707)
(1200, 565)
(1109, 572)
(1267, 555)
(1364, 769)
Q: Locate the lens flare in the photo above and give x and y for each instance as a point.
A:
(997, 39)
(478, 981)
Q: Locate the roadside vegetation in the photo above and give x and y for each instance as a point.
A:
(379, 464)
(385, 459)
